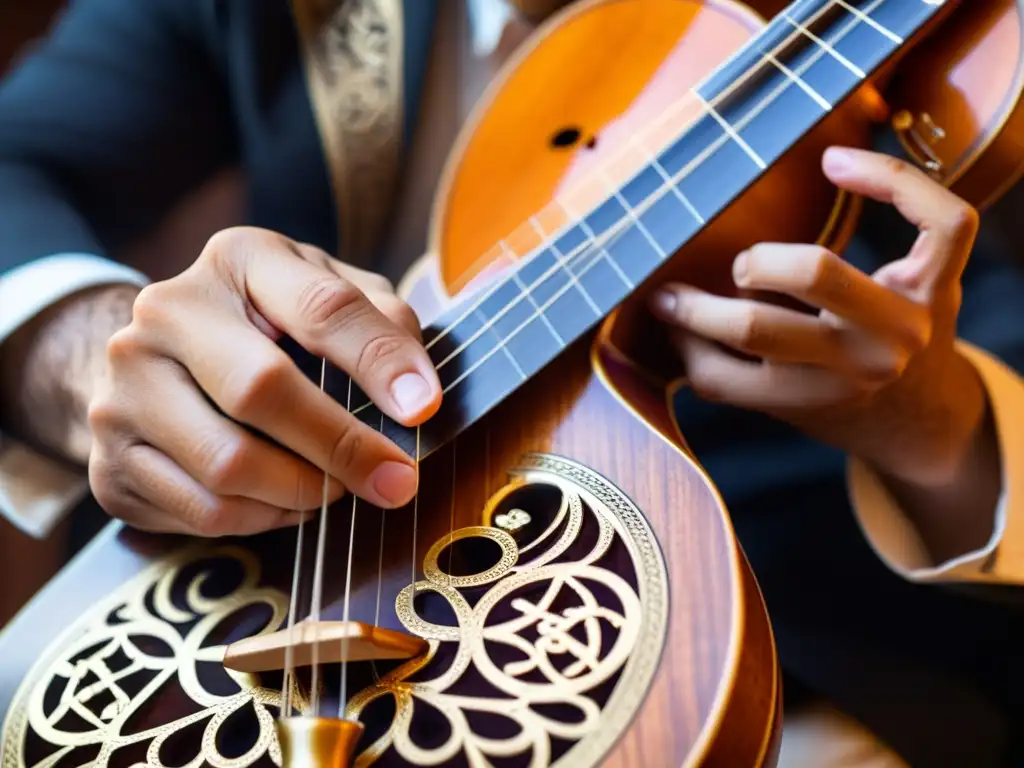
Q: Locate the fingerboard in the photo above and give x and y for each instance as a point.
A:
(810, 59)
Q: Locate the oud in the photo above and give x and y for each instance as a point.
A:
(566, 589)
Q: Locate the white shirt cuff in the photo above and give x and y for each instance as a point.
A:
(895, 539)
(35, 491)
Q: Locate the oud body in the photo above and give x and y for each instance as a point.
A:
(579, 483)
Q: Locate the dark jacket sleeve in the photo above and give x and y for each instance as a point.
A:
(111, 119)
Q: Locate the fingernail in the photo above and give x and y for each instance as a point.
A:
(739, 268)
(837, 161)
(411, 393)
(395, 483)
(665, 302)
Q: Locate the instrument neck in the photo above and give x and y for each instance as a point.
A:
(752, 110)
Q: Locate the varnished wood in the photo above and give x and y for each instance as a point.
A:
(606, 68)
(968, 78)
(328, 642)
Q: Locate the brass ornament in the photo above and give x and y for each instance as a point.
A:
(534, 570)
(83, 676)
(317, 742)
(561, 653)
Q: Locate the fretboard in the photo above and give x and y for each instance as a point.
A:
(756, 107)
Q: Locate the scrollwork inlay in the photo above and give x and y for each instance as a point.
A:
(639, 621)
(71, 681)
(580, 606)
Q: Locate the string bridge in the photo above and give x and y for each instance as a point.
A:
(333, 642)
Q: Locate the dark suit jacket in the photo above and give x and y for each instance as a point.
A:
(133, 103)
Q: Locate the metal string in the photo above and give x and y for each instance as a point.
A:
(707, 106)
(289, 651)
(343, 699)
(580, 252)
(451, 520)
(380, 570)
(318, 572)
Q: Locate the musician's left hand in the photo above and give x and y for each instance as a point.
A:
(873, 369)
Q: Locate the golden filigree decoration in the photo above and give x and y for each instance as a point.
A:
(559, 653)
(558, 667)
(165, 607)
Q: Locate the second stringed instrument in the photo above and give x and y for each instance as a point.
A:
(567, 588)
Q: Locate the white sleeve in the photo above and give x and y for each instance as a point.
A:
(895, 539)
(36, 491)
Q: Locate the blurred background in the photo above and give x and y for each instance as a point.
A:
(23, 23)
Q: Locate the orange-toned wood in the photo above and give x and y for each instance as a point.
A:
(506, 170)
(968, 78)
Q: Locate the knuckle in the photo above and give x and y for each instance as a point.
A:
(895, 165)
(822, 263)
(378, 351)
(884, 369)
(226, 243)
(382, 284)
(101, 476)
(103, 415)
(124, 346)
(965, 220)
(210, 519)
(109, 487)
(370, 282)
(229, 248)
(749, 330)
(406, 316)
(258, 390)
(307, 490)
(346, 452)
(152, 302)
(115, 505)
(222, 464)
(328, 301)
(396, 309)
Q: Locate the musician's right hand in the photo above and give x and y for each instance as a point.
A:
(197, 383)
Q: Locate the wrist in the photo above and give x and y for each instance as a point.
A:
(937, 430)
(948, 477)
(51, 366)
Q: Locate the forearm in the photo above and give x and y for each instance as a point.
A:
(50, 366)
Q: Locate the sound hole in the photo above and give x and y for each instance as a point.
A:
(570, 137)
(567, 137)
(466, 557)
